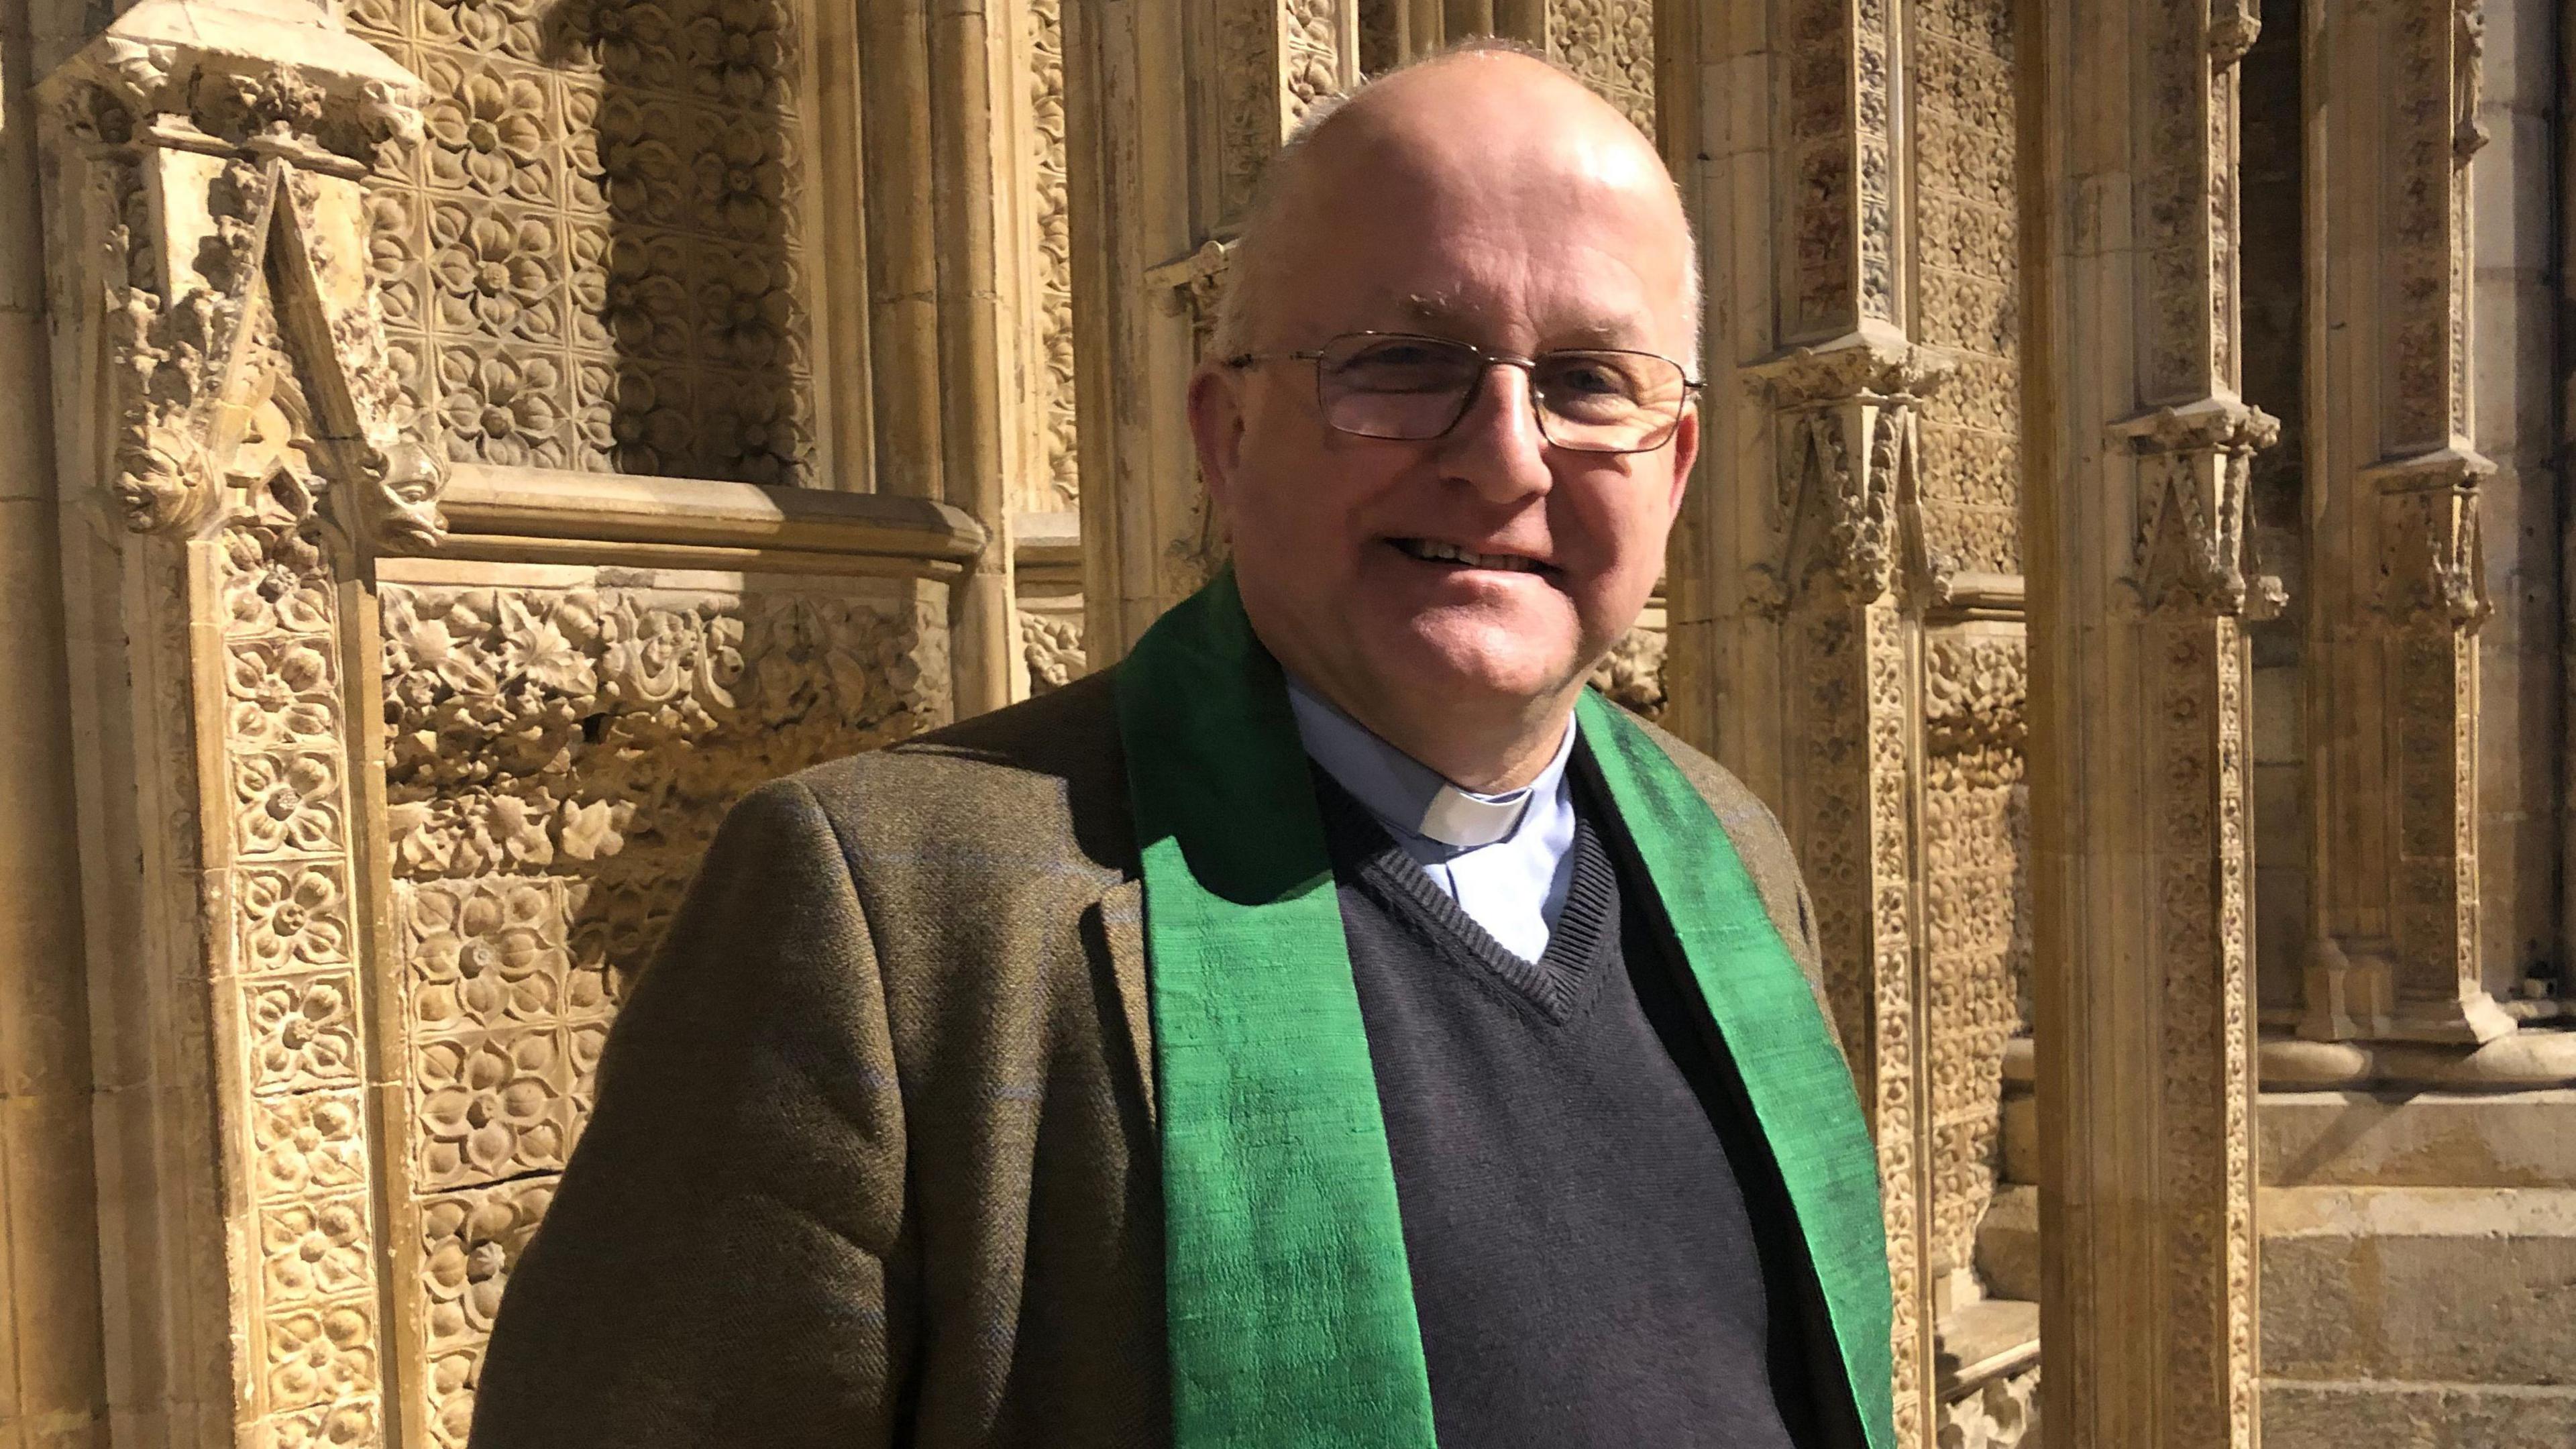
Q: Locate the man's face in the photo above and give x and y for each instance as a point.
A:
(1579, 245)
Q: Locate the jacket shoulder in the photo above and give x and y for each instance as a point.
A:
(1046, 772)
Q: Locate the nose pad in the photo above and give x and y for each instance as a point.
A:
(1496, 444)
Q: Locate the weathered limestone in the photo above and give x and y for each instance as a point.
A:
(2139, 585)
(2419, 1139)
(2395, 567)
(1846, 589)
(53, 1382)
(1168, 124)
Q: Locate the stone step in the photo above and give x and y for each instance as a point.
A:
(2363, 1414)
(2427, 1139)
(2008, 1244)
(2437, 1285)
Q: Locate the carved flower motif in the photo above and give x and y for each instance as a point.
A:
(320, 1355)
(502, 26)
(641, 302)
(738, 51)
(651, 434)
(488, 133)
(314, 1249)
(267, 586)
(740, 178)
(304, 1032)
(632, 39)
(759, 438)
(472, 1248)
(746, 314)
(593, 831)
(293, 920)
(538, 646)
(497, 271)
(484, 955)
(500, 409)
(310, 1143)
(281, 692)
(640, 171)
(490, 1108)
(287, 802)
(338, 1426)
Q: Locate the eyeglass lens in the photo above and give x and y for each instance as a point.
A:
(1414, 388)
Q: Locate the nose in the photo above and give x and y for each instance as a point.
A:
(1496, 448)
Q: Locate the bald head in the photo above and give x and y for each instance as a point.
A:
(1487, 137)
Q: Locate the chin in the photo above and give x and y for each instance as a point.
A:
(1484, 659)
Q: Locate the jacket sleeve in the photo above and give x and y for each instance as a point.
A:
(727, 1259)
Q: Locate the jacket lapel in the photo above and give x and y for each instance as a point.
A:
(1122, 928)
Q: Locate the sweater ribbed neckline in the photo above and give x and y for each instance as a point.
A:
(1561, 983)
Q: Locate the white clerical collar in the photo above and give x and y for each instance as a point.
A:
(1407, 794)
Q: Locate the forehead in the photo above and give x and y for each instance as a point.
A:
(1565, 243)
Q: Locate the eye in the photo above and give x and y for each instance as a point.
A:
(1587, 377)
(1405, 364)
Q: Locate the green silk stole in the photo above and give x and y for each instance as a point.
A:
(1290, 1307)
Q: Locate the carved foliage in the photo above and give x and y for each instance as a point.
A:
(1848, 441)
(1051, 644)
(556, 762)
(1851, 820)
(251, 170)
(1965, 277)
(2198, 815)
(594, 261)
(1976, 912)
(1842, 197)
(1611, 44)
(2194, 550)
(1633, 673)
(1061, 487)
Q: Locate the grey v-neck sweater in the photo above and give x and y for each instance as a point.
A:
(1570, 1169)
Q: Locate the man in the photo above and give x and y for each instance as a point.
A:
(1330, 1027)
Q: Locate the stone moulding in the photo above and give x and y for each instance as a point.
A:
(538, 515)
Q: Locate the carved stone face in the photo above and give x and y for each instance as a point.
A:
(1490, 200)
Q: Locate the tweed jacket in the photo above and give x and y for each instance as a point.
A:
(874, 1157)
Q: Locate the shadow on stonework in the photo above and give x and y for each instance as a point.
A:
(686, 296)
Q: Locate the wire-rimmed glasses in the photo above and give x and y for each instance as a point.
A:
(1410, 388)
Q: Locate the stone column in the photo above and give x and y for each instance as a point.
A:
(1171, 112)
(53, 1385)
(1799, 572)
(2139, 585)
(227, 449)
(2394, 559)
(951, 251)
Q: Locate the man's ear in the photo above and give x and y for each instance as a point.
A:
(1216, 429)
(1685, 447)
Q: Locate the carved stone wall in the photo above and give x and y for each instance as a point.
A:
(1976, 948)
(1057, 486)
(595, 260)
(558, 755)
(1965, 258)
(1611, 44)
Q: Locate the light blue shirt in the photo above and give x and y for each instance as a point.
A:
(1514, 882)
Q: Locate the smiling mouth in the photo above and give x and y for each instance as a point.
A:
(1432, 552)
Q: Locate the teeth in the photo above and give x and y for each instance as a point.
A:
(1423, 548)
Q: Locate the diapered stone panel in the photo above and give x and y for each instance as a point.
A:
(594, 261)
